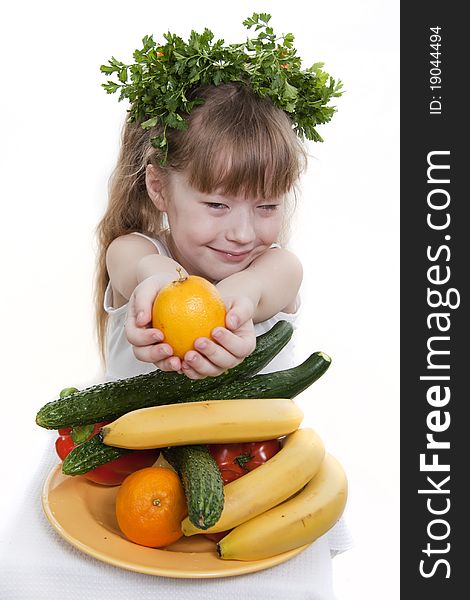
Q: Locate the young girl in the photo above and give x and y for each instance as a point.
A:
(224, 195)
(214, 199)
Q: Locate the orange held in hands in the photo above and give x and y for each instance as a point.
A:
(150, 505)
(186, 309)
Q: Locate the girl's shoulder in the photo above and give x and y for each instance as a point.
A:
(123, 258)
(129, 240)
(135, 242)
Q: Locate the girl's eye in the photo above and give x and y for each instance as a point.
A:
(269, 207)
(216, 205)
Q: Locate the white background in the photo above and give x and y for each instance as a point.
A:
(59, 141)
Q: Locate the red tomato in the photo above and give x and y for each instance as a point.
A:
(235, 460)
(64, 443)
(113, 472)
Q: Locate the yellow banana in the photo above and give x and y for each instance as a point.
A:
(270, 484)
(211, 422)
(294, 523)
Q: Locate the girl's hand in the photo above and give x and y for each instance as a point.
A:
(228, 345)
(146, 340)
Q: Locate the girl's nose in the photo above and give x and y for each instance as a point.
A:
(241, 227)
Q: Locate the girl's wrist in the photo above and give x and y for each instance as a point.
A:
(164, 268)
(162, 278)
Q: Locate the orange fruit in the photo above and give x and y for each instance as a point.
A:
(185, 309)
(150, 505)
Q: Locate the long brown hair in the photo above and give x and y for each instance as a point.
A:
(235, 143)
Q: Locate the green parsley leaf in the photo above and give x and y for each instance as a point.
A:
(159, 82)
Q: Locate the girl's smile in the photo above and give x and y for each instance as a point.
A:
(231, 256)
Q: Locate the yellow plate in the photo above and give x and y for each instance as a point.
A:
(82, 512)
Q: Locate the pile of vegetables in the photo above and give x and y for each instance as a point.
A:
(227, 437)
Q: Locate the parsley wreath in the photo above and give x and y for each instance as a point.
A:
(159, 83)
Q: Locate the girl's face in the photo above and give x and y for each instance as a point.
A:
(215, 236)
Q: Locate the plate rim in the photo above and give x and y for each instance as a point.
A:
(239, 567)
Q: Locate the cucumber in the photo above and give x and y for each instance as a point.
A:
(202, 483)
(89, 455)
(108, 401)
(280, 384)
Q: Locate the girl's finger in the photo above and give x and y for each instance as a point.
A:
(196, 362)
(154, 353)
(142, 319)
(141, 300)
(189, 372)
(239, 313)
(142, 308)
(215, 353)
(142, 337)
(169, 364)
(240, 345)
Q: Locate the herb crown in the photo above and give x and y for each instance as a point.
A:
(159, 83)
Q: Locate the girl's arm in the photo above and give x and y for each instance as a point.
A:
(130, 259)
(137, 273)
(271, 283)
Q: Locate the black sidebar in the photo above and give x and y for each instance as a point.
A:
(434, 258)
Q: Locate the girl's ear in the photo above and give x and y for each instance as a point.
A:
(154, 184)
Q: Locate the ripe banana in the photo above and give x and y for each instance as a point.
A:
(294, 523)
(270, 484)
(211, 422)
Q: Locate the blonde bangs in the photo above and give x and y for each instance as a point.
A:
(239, 144)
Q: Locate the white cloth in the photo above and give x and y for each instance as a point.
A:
(37, 564)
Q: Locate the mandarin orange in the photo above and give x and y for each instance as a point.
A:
(150, 505)
(186, 309)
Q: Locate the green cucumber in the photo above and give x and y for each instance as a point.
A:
(280, 384)
(89, 455)
(202, 483)
(108, 401)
